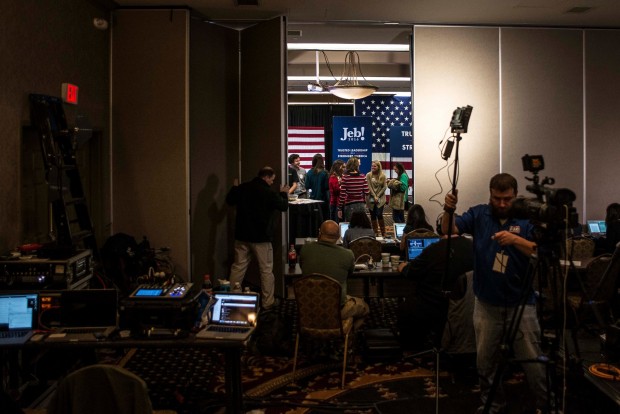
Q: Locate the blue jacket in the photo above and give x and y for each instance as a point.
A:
(490, 286)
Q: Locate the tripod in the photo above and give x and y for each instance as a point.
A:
(538, 265)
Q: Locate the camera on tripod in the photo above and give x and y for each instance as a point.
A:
(552, 207)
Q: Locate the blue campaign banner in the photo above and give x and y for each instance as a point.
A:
(401, 143)
(401, 149)
(352, 136)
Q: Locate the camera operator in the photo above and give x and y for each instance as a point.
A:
(502, 246)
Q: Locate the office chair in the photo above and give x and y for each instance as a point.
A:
(366, 245)
(580, 248)
(418, 233)
(101, 389)
(318, 313)
(592, 308)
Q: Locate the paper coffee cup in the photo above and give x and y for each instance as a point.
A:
(385, 259)
(395, 261)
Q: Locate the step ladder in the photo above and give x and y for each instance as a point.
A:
(71, 217)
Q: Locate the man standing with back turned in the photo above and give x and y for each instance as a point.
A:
(502, 248)
(256, 204)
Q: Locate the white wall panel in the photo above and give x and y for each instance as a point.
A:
(602, 68)
(542, 104)
(455, 66)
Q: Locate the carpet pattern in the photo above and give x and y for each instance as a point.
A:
(192, 380)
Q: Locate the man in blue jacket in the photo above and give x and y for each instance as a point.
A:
(502, 247)
(256, 206)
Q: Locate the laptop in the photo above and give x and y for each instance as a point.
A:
(18, 316)
(233, 316)
(415, 246)
(399, 228)
(597, 228)
(344, 226)
(86, 315)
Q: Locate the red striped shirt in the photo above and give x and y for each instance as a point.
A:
(353, 189)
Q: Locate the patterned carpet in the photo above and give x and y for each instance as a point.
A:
(191, 380)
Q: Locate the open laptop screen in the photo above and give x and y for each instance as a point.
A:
(343, 229)
(398, 230)
(416, 245)
(17, 310)
(235, 309)
(597, 227)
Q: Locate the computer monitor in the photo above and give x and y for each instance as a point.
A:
(415, 245)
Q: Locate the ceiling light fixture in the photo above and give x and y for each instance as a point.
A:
(318, 85)
(349, 87)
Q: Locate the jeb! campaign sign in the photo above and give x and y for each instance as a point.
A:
(401, 143)
(401, 148)
(352, 136)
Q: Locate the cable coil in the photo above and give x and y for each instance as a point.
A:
(605, 371)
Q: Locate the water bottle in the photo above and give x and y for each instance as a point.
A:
(203, 301)
(292, 256)
(207, 285)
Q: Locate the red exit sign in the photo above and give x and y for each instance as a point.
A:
(70, 93)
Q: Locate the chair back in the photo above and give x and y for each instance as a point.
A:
(318, 306)
(606, 286)
(421, 233)
(366, 245)
(318, 314)
(593, 276)
(580, 248)
(101, 389)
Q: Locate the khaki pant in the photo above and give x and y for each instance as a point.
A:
(264, 255)
(355, 308)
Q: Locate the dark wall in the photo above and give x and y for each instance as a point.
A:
(214, 144)
(42, 45)
(150, 92)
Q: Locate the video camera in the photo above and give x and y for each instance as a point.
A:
(552, 206)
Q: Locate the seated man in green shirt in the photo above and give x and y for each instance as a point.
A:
(327, 258)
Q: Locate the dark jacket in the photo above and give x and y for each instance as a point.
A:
(256, 204)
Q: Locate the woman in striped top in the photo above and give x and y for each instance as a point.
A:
(335, 176)
(353, 190)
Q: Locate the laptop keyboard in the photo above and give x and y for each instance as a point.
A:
(227, 329)
(13, 334)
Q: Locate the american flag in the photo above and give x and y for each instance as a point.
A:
(306, 141)
(386, 112)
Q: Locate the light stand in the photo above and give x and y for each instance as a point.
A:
(458, 124)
